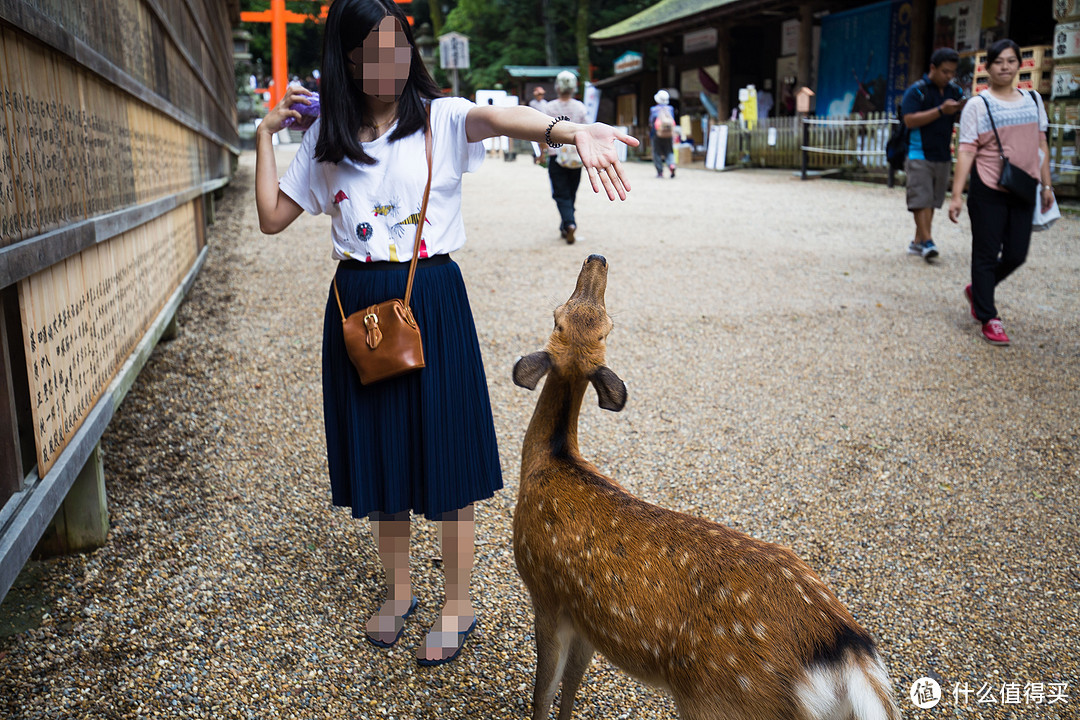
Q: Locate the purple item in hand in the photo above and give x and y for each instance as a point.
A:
(308, 113)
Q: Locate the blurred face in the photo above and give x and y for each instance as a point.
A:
(383, 61)
(539, 93)
(1005, 66)
(941, 75)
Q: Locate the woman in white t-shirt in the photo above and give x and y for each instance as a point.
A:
(422, 442)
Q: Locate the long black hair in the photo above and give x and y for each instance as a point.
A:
(999, 47)
(341, 98)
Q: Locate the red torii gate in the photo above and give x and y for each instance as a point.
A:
(279, 17)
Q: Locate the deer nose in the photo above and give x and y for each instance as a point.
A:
(596, 258)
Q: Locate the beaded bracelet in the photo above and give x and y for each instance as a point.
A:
(547, 133)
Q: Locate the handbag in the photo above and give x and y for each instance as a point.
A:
(383, 341)
(1013, 179)
(1043, 220)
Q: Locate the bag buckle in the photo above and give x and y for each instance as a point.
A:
(374, 335)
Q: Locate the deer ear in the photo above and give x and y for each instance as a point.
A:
(529, 369)
(609, 388)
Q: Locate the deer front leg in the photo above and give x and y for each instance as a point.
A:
(581, 652)
(552, 650)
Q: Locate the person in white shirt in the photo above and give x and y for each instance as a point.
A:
(423, 442)
(539, 101)
(564, 167)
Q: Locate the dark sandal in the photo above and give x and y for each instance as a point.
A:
(380, 643)
(462, 637)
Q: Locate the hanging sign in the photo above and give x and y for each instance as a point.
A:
(453, 51)
(789, 37)
(699, 40)
(629, 62)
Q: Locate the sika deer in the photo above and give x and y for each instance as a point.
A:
(731, 626)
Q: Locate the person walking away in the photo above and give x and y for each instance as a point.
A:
(929, 109)
(539, 100)
(1000, 220)
(662, 133)
(564, 168)
(422, 442)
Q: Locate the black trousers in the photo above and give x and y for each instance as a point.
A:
(564, 185)
(1000, 238)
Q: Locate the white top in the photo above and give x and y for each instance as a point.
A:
(375, 208)
(572, 108)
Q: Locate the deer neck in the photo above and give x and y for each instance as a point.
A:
(553, 429)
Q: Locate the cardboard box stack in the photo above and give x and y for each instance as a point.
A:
(1036, 70)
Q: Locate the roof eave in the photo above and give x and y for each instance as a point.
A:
(690, 21)
(645, 33)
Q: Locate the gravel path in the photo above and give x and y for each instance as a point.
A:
(792, 373)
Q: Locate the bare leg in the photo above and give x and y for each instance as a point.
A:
(392, 539)
(458, 550)
(924, 223)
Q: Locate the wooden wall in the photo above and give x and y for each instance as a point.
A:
(117, 117)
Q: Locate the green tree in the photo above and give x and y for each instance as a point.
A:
(435, 13)
(500, 32)
(535, 32)
(303, 41)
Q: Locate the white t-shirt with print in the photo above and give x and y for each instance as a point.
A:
(375, 208)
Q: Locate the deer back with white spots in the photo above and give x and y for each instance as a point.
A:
(733, 627)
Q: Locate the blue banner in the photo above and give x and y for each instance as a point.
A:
(899, 54)
(865, 58)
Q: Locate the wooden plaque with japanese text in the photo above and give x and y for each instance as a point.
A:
(83, 317)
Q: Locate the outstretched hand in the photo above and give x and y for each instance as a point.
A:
(596, 146)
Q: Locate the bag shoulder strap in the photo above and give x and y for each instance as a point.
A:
(340, 309)
(920, 85)
(423, 208)
(419, 225)
(1001, 150)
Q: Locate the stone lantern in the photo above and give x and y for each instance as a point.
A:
(426, 43)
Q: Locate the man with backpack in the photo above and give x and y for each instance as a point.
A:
(928, 111)
(662, 133)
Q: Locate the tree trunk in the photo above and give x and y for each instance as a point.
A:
(549, 34)
(435, 11)
(582, 34)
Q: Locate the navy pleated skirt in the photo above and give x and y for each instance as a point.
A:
(424, 441)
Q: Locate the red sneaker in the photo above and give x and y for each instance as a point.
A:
(994, 332)
(971, 301)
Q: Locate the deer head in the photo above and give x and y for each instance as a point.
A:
(575, 352)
